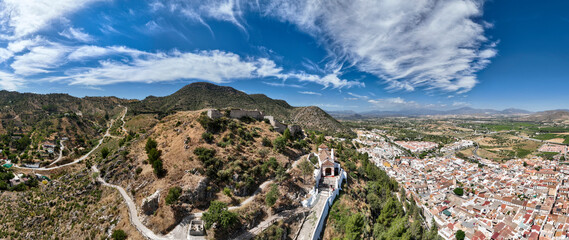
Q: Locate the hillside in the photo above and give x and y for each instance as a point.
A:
(28, 120)
(549, 116)
(202, 95)
(226, 163)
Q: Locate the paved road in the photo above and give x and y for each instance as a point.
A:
(60, 153)
(132, 212)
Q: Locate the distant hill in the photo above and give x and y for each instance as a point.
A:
(549, 116)
(43, 116)
(426, 112)
(203, 95)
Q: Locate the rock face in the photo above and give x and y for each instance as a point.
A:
(195, 194)
(150, 204)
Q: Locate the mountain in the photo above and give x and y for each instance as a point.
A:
(549, 116)
(426, 112)
(203, 95)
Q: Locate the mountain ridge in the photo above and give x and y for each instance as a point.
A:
(427, 112)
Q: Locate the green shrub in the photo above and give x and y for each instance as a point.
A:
(272, 195)
(458, 191)
(105, 152)
(173, 195)
(207, 137)
(150, 144)
(119, 234)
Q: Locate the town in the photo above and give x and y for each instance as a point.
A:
(517, 199)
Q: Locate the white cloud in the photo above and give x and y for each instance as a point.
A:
(10, 81)
(282, 84)
(407, 44)
(358, 96)
(40, 59)
(213, 66)
(23, 17)
(139, 66)
(310, 93)
(460, 104)
(76, 34)
(328, 80)
(92, 52)
(396, 103)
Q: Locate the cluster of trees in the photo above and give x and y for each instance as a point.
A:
(211, 164)
(219, 216)
(154, 157)
(296, 141)
(6, 175)
(386, 217)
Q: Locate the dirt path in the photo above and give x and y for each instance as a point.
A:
(107, 134)
(60, 153)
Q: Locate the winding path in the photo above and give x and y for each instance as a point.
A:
(107, 134)
(60, 153)
(181, 231)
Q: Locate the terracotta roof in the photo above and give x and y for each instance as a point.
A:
(323, 146)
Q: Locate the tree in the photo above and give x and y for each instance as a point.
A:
(287, 135)
(119, 234)
(460, 235)
(158, 168)
(272, 195)
(150, 144)
(354, 226)
(154, 155)
(279, 144)
(306, 168)
(320, 139)
(218, 214)
(173, 195)
(458, 191)
(105, 152)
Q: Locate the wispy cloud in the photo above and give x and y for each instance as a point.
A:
(393, 103)
(139, 66)
(282, 84)
(77, 34)
(432, 44)
(409, 44)
(23, 17)
(358, 96)
(310, 93)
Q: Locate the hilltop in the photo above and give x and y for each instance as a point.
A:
(203, 95)
(208, 160)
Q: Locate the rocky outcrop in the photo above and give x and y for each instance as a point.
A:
(197, 194)
(150, 204)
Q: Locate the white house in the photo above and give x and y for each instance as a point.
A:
(326, 161)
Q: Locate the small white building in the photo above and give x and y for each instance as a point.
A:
(326, 161)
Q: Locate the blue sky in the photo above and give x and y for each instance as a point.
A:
(361, 56)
